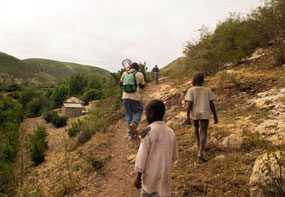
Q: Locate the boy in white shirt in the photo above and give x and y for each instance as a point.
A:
(156, 154)
(200, 105)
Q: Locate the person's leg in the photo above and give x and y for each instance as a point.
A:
(203, 135)
(156, 78)
(196, 129)
(137, 112)
(128, 114)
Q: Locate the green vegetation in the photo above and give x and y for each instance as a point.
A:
(10, 118)
(15, 72)
(38, 145)
(234, 40)
(48, 116)
(74, 129)
(59, 121)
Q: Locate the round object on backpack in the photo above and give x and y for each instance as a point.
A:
(127, 63)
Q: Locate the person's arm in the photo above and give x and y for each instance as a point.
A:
(140, 80)
(213, 109)
(189, 101)
(141, 160)
(189, 109)
(174, 157)
(122, 79)
(138, 181)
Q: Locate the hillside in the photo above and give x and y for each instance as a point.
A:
(176, 67)
(44, 71)
(250, 103)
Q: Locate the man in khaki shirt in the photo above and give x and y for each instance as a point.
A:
(156, 154)
(133, 102)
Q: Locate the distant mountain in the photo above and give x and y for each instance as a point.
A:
(43, 70)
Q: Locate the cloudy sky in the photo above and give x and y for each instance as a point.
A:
(103, 32)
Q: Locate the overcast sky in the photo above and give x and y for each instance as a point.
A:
(103, 32)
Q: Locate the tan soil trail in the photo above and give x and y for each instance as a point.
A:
(120, 175)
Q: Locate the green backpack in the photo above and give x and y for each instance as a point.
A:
(130, 83)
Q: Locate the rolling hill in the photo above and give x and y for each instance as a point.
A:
(43, 71)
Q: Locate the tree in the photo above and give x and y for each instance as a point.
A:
(59, 95)
(77, 84)
(92, 94)
(38, 144)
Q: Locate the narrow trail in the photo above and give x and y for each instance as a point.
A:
(118, 182)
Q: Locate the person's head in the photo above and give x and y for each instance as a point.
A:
(135, 66)
(156, 66)
(198, 79)
(155, 111)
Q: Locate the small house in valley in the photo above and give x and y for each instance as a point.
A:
(73, 107)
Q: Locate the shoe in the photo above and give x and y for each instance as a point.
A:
(201, 159)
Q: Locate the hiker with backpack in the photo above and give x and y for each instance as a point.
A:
(200, 101)
(155, 72)
(132, 83)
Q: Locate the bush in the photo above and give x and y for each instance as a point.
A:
(36, 106)
(48, 116)
(85, 135)
(59, 121)
(59, 94)
(77, 84)
(10, 118)
(75, 128)
(92, 94)
(38, 145)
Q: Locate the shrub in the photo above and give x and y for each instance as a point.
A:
(75, 128)
(38, 145)
(48, 116)
(77, 83)
(10, 117)
(36, 106)
(84, 135)
(92, 94)
(59, 121)
(59, 94)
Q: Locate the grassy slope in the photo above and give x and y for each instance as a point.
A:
(175, 68)
(228, 176)
(13, 66)
(45, 70)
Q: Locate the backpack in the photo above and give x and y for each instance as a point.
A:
(130, 83)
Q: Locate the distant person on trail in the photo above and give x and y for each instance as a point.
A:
(155, 72)
(132, 82)
(200, 104)
(156, 154)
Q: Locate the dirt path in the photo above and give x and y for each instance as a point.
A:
(51, 178)
(120, 176)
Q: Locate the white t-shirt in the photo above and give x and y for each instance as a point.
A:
(200, 97)
(155, 157)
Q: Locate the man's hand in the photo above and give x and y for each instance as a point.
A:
(216, 120)
(138, 182)
(188, 121)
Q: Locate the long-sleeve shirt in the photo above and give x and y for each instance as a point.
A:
(155, 157)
